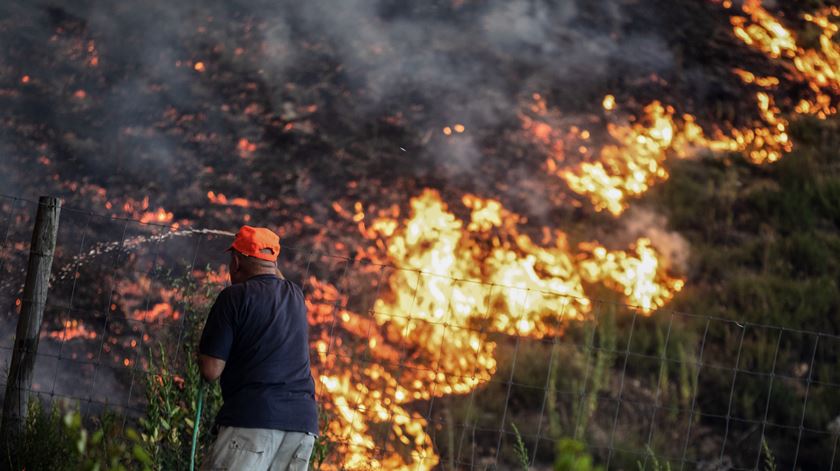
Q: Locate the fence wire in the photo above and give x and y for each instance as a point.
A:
(689, 390)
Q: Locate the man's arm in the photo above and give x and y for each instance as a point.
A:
(217, 338)
(211, 367)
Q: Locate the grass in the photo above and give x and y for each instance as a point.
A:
(520, 450)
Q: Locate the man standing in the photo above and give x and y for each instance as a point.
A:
(256, 340)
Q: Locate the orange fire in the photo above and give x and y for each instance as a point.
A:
(818, 68)
(159, 216)
(223, 200)
(458, 282)
(634, 159)
(245, 148)
(157, 313)
(73, 329)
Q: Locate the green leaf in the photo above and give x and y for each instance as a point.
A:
(132, 435)
(97, 437)
(81, 443)
(141, 455)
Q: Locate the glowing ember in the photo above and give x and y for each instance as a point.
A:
(609, 103)
(245, 147)
(221, 199)
(72, 330)
(750, 78)
(157, 313)
(199, 67)
(159, 216)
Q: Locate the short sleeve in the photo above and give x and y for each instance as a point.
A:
(217, 337)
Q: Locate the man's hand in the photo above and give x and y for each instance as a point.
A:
(211, 368)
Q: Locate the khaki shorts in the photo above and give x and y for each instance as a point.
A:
(259, 449)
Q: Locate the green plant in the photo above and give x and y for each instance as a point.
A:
(769, 459)
(551, 396)
(172, 391)
(602, 359)
(323, 445)
(687, 382)
(520, 449)
(40, 427)
(60, 441)
(654, 462)
(106, 447)
(572, 456)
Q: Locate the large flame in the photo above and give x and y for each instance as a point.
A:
(459, 281)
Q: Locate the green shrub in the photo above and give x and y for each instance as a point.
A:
(572, 456)
(172, 390)
(56, 440)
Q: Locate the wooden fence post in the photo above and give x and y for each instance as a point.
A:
(19, 381)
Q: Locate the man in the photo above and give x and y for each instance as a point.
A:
(256, 340)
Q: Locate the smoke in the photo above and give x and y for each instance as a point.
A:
(152, 121)
(644, 222)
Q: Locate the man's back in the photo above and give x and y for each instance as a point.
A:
(259, 328)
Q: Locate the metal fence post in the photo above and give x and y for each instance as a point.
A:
(21, 368)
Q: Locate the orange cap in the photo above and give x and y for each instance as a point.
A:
(251, 241)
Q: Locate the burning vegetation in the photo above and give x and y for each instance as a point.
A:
(476, 209)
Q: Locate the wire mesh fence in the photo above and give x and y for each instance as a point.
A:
(442, 374)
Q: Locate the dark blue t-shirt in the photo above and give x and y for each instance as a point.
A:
(259, 328)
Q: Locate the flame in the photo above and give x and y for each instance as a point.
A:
(159, 216)
(157, 313)
(459, 281)
(630, 166)
(488, 249)
(635, 158)
(221, 199)
(750, 78)
(245, 148)
(72, 330)
(636, 276)
(818, 68)
(136, 295)
(608, 103)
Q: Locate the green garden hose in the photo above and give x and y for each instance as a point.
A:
(195, 426)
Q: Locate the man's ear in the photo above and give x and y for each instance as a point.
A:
(234, 263)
